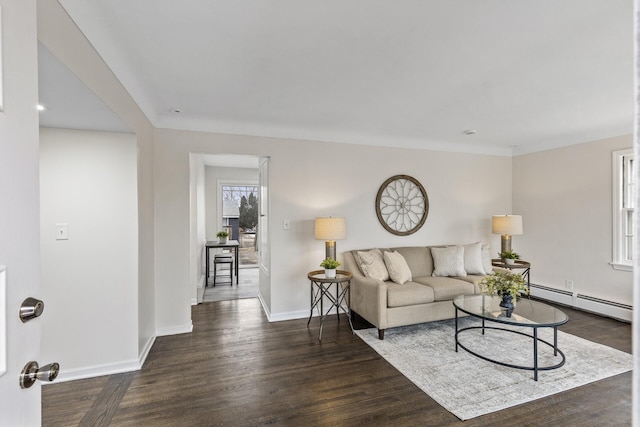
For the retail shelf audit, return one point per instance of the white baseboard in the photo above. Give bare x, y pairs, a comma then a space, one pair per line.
142, 357
281, 316
95, 371
174, 330
264, 306
106, 369
291, 315
584, 302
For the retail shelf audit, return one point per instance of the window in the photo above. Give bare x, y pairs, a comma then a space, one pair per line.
240, 218
623, 205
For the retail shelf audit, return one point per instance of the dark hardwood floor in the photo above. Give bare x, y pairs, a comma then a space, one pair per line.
237, 369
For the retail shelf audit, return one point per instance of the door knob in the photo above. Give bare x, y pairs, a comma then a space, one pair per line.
30, 309
33, 372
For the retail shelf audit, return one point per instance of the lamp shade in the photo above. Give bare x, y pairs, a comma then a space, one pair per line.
506, 224
329, 228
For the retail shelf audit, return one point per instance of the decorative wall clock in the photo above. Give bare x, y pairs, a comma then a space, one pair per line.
402, 205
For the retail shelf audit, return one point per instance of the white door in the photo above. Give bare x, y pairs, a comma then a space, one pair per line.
263, 218
19, 207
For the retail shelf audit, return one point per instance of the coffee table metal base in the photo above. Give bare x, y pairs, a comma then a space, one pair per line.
535, 368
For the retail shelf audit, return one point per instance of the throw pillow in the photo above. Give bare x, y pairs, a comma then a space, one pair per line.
448, 261
397, 266
473, 259
372, 264
486, 258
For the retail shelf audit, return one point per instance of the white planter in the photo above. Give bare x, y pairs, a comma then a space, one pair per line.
223, 240
509, 261
330, 273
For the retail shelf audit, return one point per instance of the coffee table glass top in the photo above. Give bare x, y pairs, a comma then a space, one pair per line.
527, 312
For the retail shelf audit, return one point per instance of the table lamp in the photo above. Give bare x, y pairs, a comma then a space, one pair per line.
330, 229
506, 225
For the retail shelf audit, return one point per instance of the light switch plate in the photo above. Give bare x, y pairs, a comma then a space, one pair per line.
285, 224
62, 231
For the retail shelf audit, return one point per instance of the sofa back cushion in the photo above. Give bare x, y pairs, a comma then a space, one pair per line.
418, 259
372, 264
473, 259
448, 261
397, 267
486, 258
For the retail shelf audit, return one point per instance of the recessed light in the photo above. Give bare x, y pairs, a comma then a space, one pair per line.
41, 107
469, 132
175, 110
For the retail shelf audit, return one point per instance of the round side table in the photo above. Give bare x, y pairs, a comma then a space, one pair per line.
321, 288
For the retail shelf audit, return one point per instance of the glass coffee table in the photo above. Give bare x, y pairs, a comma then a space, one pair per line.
528, 314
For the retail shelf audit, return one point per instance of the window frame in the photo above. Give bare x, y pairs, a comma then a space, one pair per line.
623, 204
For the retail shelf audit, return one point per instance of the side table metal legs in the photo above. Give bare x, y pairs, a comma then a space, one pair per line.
320, 291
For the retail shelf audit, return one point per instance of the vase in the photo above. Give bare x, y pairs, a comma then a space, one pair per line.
507, 302
330, 273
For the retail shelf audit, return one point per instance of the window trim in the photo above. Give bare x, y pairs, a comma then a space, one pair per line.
618, 229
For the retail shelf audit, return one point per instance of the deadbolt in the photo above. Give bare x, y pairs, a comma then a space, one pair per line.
32, 372
30, 309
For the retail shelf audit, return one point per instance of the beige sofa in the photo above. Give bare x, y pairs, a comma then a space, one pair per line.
425, 297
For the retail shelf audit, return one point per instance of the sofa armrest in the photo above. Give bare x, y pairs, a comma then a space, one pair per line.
369, 300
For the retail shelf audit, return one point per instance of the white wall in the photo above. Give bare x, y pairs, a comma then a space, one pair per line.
89, 282
214, 174
59, 34
565, 199
309, 179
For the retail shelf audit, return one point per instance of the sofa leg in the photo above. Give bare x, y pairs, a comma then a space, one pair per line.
381, 334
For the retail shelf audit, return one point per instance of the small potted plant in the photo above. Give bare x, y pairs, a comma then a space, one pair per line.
330, 265
509, 257
222, 236
506, 284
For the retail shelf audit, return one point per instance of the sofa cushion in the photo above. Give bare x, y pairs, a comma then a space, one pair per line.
473, 258
475, 279
397, 267
372, 264
418, 259
409, 293
448, 261
446, 288
485, 251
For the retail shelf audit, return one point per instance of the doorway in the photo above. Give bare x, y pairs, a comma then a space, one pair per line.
225, 197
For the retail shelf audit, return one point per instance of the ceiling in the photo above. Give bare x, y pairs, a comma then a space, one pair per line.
525, 75
68, 103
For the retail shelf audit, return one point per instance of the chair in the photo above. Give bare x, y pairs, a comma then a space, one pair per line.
223, 258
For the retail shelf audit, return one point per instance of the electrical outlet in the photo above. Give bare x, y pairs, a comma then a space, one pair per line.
568, 285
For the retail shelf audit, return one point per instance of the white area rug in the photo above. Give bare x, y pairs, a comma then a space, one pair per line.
468, 386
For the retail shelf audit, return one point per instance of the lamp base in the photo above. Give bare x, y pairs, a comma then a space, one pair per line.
330, 249
505, 243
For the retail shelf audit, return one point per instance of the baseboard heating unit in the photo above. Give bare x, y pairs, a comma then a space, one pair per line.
588, 303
